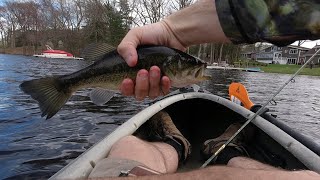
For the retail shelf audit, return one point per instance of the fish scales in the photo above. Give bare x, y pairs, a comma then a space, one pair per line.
108, 72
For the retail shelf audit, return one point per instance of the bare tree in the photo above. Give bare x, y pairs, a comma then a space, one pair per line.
12, 24
149, 11
301, 42
212, 54
180, 4
78, 12
220, 53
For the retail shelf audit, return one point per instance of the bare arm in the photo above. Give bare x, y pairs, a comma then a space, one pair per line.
280, 22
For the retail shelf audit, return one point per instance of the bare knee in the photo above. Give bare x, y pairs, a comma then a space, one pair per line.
124, 144
158, 156
126, 140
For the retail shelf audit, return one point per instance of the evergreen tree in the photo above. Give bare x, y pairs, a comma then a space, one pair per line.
116, 26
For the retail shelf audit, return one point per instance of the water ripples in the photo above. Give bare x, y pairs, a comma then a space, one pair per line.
35, 148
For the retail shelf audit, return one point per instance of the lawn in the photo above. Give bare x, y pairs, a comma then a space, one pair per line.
290, 69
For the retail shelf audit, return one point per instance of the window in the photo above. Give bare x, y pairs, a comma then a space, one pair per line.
274, 48
279, 48
292, 60
293, 51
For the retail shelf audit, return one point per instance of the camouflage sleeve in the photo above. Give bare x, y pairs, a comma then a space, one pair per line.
280, 22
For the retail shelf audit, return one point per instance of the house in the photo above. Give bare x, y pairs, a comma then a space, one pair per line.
248, 51
307, 55
281, 55
248, 55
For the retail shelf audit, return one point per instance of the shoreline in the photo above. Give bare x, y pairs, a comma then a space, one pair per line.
291, 69
270, 68
276, 68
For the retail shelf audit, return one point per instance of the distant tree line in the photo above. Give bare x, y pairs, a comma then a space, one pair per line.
64, 24
73, 24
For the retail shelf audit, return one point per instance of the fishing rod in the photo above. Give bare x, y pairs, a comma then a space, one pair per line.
259, 112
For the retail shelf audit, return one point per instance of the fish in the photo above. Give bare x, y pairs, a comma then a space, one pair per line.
107, 72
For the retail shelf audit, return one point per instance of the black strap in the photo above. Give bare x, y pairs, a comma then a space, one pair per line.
176, 145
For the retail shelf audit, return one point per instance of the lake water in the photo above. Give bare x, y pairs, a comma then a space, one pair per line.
34, 148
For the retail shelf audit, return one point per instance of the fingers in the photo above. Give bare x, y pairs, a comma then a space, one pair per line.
166, 84
127, 87
147, 84
154, 80
142, 85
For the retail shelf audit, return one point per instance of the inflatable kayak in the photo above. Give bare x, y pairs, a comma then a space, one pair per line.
200, 115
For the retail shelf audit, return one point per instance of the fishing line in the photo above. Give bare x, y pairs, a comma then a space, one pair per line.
259, 112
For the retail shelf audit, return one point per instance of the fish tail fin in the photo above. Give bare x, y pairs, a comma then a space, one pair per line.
49, 93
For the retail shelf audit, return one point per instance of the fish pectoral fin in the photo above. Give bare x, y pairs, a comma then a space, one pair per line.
100, 96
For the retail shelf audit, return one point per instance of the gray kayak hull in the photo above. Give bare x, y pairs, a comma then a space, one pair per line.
83, 165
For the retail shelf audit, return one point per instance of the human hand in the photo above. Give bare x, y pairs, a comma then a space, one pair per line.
147, 84
196, 24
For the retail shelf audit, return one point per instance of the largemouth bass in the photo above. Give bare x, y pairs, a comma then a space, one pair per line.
107, 73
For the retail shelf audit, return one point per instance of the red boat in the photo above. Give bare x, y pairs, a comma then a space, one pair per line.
57, 54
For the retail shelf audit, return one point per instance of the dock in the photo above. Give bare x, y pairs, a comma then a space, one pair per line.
225, 68
235, 68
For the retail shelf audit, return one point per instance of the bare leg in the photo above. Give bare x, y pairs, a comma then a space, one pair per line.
163, 158
230, 173
246, 163
158, 156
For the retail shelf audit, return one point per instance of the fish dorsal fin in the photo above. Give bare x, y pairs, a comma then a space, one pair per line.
100, 96
95, 51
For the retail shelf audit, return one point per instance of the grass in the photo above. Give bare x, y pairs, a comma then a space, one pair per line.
290, 69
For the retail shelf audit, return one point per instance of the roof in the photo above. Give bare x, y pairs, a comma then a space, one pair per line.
312, 51
298, 47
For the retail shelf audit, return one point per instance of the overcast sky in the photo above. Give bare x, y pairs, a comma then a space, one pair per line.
309, 44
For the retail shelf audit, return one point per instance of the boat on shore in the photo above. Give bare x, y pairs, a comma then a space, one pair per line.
56, 54
200, 115
253, 69
224, 68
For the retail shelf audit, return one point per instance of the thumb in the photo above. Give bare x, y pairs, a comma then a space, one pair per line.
128, 47
129, 53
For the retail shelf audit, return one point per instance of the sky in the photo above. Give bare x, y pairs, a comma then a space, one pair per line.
309, 44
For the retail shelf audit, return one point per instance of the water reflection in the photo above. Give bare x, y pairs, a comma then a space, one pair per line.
297, 105
35, 148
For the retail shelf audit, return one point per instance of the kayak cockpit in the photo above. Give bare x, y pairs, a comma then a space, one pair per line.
201, 116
